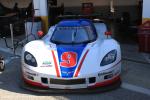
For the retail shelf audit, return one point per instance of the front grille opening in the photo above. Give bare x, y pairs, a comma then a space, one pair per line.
44, 80
67, 82
108, 76
30, 77
92, 80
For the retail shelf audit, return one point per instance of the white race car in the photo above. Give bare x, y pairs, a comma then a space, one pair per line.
74, 54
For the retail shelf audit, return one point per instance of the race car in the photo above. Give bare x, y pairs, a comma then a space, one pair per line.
74, 54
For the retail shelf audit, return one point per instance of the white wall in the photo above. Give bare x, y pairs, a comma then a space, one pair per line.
125, 2
10, 3
41, 7
146, 8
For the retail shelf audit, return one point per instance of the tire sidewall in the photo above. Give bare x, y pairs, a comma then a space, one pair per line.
2, 65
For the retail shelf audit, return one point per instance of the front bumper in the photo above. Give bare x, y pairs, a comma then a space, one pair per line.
114, 85
99, 79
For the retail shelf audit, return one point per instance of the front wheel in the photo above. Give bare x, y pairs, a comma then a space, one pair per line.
2, 64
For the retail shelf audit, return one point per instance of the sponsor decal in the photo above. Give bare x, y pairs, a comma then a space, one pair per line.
46, 64
105, 73
67, 72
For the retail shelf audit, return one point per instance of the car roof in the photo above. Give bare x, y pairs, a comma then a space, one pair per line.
74, 23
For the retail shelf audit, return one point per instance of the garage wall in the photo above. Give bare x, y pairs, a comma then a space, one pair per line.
71, 3
10, 3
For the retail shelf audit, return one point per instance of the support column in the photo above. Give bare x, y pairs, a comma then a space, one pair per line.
41, 10
146, 14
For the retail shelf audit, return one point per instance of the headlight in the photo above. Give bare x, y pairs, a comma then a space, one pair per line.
109, 58
29, 59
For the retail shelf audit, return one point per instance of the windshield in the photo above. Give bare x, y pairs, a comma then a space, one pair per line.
70, 35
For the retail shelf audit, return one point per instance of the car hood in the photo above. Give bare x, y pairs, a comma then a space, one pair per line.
66, 61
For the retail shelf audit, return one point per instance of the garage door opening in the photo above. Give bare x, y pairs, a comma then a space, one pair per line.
124, 21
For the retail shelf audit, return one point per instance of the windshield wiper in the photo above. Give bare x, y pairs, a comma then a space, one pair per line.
60, 42
83, 42
73, 36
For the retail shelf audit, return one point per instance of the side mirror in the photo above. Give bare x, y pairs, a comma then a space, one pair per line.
40, 34
108, 33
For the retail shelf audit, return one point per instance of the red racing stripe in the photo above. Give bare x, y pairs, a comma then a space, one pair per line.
56, 66
80, 65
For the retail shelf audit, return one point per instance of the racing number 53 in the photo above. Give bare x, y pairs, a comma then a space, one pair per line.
69, 59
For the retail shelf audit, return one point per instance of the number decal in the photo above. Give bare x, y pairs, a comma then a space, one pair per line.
69, 59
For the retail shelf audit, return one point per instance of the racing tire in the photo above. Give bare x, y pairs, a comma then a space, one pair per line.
2, 64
